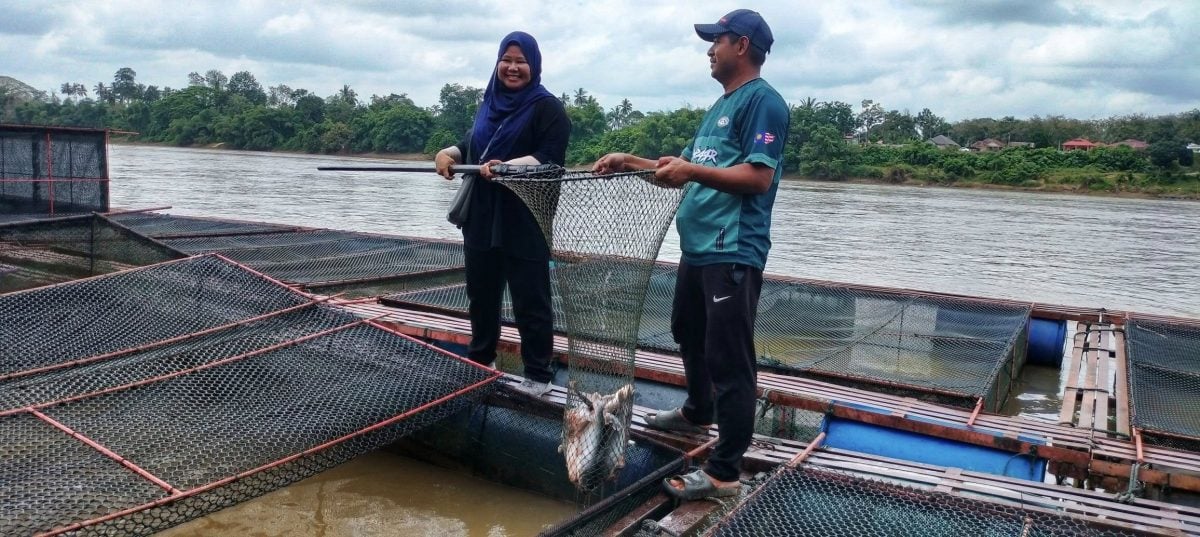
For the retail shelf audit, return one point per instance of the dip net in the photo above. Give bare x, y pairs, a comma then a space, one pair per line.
604, 233
135, 401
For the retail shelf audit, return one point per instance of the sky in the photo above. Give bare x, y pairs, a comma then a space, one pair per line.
961, 59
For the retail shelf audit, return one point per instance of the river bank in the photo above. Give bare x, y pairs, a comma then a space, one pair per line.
1100, 187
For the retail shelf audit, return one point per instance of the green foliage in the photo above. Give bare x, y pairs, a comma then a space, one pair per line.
827, 155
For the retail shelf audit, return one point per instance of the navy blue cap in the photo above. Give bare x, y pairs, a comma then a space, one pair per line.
741, 22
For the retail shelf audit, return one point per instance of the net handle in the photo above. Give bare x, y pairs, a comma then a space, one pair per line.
498, 169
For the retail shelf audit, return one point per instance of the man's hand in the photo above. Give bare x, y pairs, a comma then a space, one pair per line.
610, 163
444, 164
673, 171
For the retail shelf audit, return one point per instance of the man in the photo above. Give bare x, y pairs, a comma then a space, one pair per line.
724, 224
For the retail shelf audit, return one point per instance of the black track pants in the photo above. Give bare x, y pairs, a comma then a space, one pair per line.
529, 285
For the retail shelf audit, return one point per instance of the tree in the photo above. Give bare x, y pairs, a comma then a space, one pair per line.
869, 117
124, 86
215, 80
839, 114
103, 93
194, 79
621, 116
930, 124
243, 84
280, 95
897, 127
456, 108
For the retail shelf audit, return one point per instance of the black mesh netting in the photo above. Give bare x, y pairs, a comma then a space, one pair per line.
1164, 381
817, 502
49, 171
211, 420
167, 226
512, 439
956, 350
604, 233
54, 250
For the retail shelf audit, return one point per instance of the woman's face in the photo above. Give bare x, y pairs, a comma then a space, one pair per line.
512, 69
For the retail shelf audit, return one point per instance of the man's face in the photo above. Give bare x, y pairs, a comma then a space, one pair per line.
723, 56
512, 70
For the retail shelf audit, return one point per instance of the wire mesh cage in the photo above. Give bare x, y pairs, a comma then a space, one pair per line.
169, 226
52, 171
1164, 381
127, 413
823, 502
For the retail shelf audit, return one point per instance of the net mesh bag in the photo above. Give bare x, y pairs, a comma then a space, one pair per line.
136, 401
1164, 381
52, 172
604, 233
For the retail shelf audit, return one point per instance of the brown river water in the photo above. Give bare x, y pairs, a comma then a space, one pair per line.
1131, 254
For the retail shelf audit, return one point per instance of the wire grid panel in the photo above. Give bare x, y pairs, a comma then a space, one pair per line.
78, 320
59, 384
812, 502
1164, 379
45, 171
78, 246
159, 225
604, 233
201, 428
330, 257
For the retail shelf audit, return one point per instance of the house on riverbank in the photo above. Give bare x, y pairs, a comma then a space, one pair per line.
1079, 144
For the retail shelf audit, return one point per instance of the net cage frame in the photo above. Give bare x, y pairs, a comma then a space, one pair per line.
104, 430
49, 171
510, 438
1007, 345
1163, 379
853, 501
609, 229
310, 258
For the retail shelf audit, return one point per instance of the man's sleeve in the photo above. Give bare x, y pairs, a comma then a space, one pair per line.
765, 129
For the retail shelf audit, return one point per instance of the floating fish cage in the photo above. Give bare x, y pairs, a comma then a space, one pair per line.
512, 439
814, 501
954, 351
52, 171
1164, 380
123, 413
311, 258
53, 250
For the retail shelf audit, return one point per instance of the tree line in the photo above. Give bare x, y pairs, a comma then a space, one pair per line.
828, 139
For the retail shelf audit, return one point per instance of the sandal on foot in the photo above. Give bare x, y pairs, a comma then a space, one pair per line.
673, 421
697, 485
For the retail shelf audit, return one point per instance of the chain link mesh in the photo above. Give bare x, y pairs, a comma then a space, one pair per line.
52, 172
1164, 381
820, 502
167, 226
216, 418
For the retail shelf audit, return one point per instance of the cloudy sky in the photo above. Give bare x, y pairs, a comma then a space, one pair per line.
961, 59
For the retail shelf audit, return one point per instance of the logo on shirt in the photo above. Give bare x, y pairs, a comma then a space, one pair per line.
764, 137
723, 122
701, 155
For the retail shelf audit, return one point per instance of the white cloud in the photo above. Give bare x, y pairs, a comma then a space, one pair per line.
978, 59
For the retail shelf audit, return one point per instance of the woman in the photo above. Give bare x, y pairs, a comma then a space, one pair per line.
519, 122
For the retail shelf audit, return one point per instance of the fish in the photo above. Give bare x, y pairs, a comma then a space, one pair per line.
595, 435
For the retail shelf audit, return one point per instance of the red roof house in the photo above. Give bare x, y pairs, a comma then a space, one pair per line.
1078, 144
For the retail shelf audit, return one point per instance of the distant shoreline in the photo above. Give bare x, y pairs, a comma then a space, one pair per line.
421, 157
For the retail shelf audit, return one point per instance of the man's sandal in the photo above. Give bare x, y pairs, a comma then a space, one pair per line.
697, 485
673, 421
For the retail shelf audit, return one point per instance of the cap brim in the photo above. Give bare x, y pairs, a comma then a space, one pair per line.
709, 32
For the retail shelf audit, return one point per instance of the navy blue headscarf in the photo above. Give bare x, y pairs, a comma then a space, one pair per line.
501, 103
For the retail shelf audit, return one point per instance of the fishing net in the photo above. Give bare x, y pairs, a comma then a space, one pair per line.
822, 502
137, 401
604, 232
1164, 381
168, 226
48, 171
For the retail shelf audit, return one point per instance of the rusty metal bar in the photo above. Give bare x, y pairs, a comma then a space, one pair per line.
800, 457
106, 452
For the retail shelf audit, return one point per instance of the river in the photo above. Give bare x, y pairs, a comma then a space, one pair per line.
1120, 253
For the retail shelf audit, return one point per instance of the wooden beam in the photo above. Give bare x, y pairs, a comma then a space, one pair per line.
1122, 384
1067, 416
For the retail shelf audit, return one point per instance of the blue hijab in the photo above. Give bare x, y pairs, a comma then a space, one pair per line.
512, 108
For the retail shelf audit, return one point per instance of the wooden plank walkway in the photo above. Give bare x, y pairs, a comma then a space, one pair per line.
1072, 451
1096, 387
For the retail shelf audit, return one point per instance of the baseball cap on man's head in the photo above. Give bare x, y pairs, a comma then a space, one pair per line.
741, 22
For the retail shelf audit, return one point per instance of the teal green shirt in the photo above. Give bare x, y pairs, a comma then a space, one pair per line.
748, 125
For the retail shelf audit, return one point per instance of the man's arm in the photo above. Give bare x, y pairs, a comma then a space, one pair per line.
744, 178
622, 162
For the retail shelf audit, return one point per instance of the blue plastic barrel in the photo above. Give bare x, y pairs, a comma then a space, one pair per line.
1046, 339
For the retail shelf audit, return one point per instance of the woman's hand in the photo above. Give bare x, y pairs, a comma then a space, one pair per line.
610, 163
485, 171
444, 164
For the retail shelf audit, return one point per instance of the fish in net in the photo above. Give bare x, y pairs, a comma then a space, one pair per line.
604, 233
